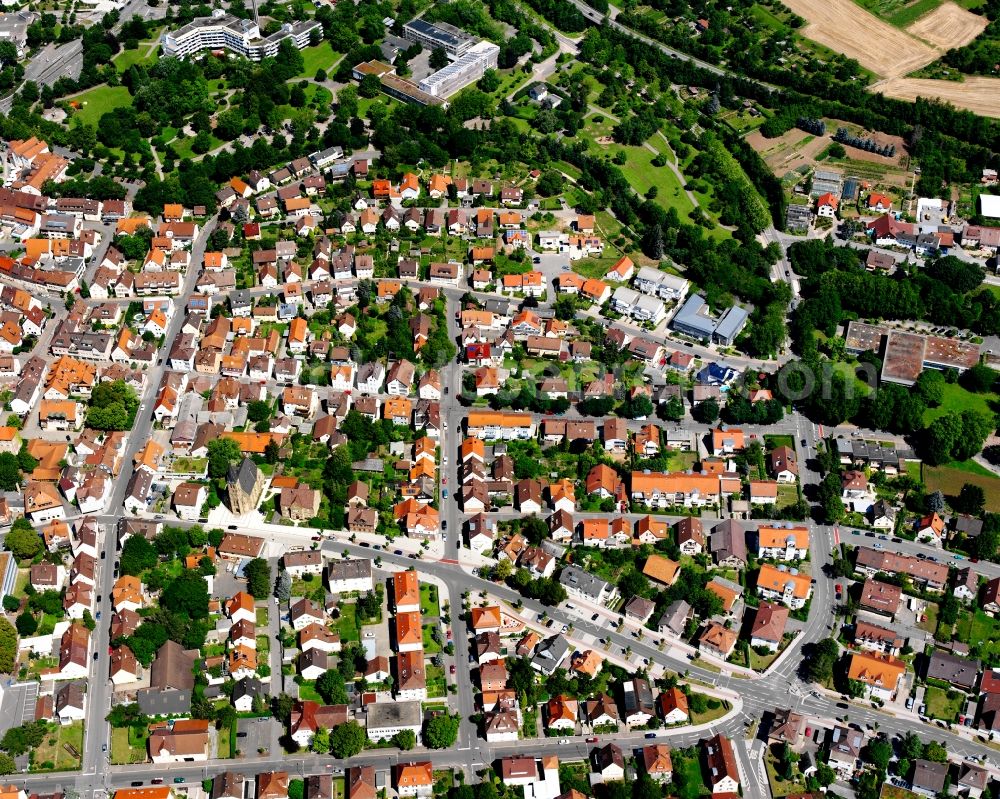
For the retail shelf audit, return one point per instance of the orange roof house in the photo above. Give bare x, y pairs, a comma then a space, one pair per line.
253, 443
485, 619
649, 527
780, 537
397, 408
405, 590
880, 673
827, 199
594, 289
241, 603
409, 629
588, 662
438, 184
473, 448
126, 591
771, 578
730, 439
242, 657
412, 777
661, 569
622, 269
723, 592
932, 523
49, 454
596, 531
562, 708
153, 792
173, 212
879, 201
409, 181
298, 330
602, 478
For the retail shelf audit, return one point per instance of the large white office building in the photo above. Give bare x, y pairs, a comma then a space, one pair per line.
223, 31
466, 69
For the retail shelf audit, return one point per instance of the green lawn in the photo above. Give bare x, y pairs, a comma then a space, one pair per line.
225, 743
52, 755
688, 780
190, 465
429, 603
787, 495
775, 441
308, 693
848, 370
766, 18
126, 747
183, 146
641, 174
347, 624
436, 685
713, 713
950, 478
780, 787
127, 58
681, 461
431, 646
321, 56
939, 706
594, 267
98, 101
931, 611
957, 399
981, 633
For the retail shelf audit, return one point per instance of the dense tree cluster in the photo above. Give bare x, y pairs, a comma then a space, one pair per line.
112, 406
982, 54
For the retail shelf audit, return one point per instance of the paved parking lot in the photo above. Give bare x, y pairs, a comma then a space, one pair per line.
17, 705
253, 734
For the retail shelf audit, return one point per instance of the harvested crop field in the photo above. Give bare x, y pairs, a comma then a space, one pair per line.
975, 94
847, 28
948, 26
